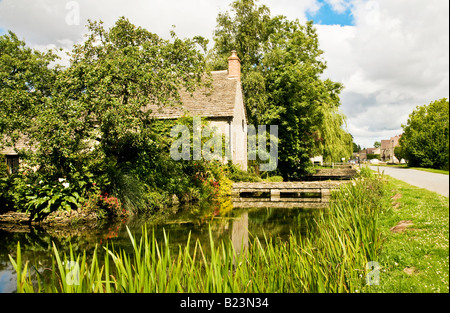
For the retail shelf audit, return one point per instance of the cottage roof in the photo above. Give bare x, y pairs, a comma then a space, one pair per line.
215, 101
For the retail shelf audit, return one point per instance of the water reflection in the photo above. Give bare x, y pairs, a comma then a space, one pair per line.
239, 233
238, 225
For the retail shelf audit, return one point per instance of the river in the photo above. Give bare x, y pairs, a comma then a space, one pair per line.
238, 225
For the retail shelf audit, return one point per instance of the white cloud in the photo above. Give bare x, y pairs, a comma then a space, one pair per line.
340, 6
337, 43
292, 9
46, 21
395, 58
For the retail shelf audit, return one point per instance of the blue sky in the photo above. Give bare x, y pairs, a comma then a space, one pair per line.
326, 15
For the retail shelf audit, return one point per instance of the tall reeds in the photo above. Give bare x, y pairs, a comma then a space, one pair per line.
330, 258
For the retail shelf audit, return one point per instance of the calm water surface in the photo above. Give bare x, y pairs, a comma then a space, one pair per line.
239, 226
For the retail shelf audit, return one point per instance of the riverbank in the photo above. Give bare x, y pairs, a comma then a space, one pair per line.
58, 221
415, 251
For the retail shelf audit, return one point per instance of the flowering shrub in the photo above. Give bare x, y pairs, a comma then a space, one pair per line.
206, 179
110, 204
104, 204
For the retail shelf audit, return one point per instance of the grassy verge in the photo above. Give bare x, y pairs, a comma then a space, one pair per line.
431, 170
415, 254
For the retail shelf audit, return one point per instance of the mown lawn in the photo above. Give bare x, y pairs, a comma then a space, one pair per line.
415, 259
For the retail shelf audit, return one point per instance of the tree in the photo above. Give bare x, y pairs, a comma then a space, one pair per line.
100, 100
25, 86
246, 31
356, 148
115, 74
377, 144
90, 119
399, 153
281, 68
425, 139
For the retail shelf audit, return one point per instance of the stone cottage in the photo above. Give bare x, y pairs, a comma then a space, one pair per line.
223, 106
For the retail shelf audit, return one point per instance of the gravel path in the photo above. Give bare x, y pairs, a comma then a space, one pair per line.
432, 181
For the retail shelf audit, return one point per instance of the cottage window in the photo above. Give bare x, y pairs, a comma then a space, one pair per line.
12, 163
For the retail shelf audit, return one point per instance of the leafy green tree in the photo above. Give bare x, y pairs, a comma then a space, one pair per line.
399, 153
88, 123
281, 77
25, 86
377, 144
115, 74
425, 138
245, 31
356, 147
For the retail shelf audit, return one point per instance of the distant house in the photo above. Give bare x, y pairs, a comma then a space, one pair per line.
363, 155
387, 149
373, 150
222, 105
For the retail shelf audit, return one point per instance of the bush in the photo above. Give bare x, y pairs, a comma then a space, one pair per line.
237, 175
50, 197
365, 172
274, 179
104, 205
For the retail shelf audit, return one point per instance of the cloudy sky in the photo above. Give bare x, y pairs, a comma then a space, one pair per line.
391, 55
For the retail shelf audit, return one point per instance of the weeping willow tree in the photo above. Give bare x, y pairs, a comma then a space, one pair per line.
334, 142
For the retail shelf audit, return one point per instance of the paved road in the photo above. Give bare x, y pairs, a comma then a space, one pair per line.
432, 181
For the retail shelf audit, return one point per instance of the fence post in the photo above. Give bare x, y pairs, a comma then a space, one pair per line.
274, 194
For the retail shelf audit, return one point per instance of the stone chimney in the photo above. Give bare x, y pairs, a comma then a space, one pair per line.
234, 66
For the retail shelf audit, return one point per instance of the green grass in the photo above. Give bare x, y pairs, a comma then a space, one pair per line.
431, 170
423, 249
